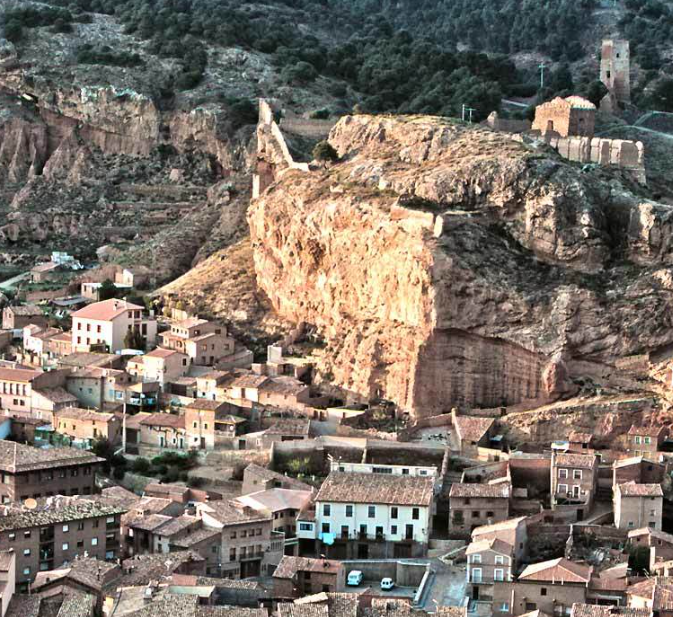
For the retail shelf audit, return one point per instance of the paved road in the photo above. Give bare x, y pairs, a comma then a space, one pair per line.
448, 586
9, 283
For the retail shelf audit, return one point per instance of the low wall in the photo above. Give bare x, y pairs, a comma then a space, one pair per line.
404, 573
317, 129
497, 123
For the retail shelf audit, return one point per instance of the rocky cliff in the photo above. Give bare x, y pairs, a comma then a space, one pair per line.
447, 265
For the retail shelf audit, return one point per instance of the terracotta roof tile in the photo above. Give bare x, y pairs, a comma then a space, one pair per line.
557, 570
16, 457
501, 490
289, 566
164, 419
632, 489
376, 488
472, 429
582, 461
106, 310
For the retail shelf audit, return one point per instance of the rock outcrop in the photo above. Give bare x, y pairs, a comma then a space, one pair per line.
445, 265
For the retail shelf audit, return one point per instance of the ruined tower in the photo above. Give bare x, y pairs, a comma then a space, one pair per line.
615, 65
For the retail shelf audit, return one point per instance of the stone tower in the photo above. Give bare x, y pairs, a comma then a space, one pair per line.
615, 66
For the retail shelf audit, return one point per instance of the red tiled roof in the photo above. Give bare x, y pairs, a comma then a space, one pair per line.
164, 419
491, 491
586, 461
106, 310
647, 431
558, 571
632, 489
472, 429
16, 374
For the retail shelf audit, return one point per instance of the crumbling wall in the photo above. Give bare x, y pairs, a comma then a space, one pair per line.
507, 125
629, 155
315, 129
273, 154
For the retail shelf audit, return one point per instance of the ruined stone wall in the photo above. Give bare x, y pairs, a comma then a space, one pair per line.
495, 122
316, 129
623, 153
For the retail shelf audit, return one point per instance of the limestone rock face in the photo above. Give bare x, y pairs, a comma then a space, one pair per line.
447, 266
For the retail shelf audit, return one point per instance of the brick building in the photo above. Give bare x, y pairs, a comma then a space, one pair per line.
31, 472
257, 478
202, 341
551, 587
574, 479
297, 577
637, 469
58, 529
488, 562
86, 426
513, 532
17, 317
474, 505
573, 115
646, 441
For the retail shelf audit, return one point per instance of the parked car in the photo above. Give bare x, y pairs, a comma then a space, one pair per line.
354, 578
387, 583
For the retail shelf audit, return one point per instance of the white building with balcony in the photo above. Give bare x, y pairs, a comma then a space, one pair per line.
371, 515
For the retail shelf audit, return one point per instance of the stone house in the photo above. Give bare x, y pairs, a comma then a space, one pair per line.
474, 505
637, 469
573, 115
17, 317
488, 562
249, 546
35, 339
578, 441
210, 422
638, 505
574, 479
159, 365
284, 392
646, 441
59, 345
105, 324
133, 277
298, 577
46, 536
28, 472
86, 426
659, 542
281, 429
163, 430
513, 532
550, 586
283, 505
653, 594
472, 433
43, 272
203, 342
20, 388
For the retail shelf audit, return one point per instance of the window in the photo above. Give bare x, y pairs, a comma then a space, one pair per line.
12, 537
498, 574
371, 511
504, 607
415, 513
305, 527
349, 511
26, 552
630, 525
65, 546
244, 533
80, 543
499, 560
562, 488
476, 575
26, 534
233, 535
393, 530
326, 510
94, 541
66, 528
543, 591
405, 471
637, 440
562, 473
476, 558
531, 606
325, 527
195, 424
232, 554
475, 513
647, 440
26, 571
577, 474
489, 514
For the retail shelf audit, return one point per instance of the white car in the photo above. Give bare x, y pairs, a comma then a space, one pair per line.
354, 578
387, 584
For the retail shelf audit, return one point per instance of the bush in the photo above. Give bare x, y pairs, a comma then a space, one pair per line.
13, 31
320, 114
141, 466
172, 475
118, 473
324, 151
195, 482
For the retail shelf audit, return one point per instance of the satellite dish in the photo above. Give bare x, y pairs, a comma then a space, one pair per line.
30, 503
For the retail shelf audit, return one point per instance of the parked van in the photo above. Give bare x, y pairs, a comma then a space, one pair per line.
354, 578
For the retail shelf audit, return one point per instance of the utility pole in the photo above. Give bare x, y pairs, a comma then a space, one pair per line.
542, 67
470, 110
463, 114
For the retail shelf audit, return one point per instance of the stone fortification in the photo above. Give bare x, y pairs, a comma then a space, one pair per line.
570, 116
615, 74
500, 306
273, 154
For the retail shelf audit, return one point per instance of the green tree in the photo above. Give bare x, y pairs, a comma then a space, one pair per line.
595, 91
661, 97
107, 290
134, 340
13, 30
